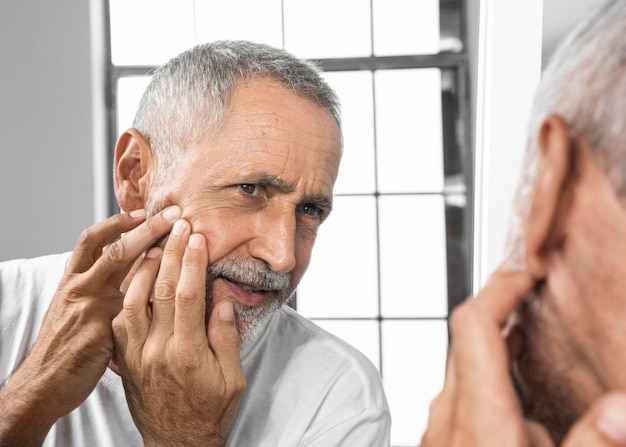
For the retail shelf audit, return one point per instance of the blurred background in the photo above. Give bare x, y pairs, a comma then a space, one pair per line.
435, 100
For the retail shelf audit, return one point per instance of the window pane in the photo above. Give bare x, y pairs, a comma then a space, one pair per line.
363, 335
256, 20
342, 278
409, 130
149, 32
412, 256
129, 91
406, 27
414, 359
328, 28
355, 89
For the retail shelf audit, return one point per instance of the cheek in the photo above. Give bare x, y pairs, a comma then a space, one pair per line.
223, 233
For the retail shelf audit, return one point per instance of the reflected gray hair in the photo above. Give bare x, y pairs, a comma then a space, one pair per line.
584, 83
188, 96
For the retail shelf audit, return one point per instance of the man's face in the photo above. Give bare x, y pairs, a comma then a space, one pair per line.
574, 324
258, 189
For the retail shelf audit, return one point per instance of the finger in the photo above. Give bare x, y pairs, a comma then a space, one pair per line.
478, 399
136, 320
224, 342
117, 260
503, 291
480, 355
92, 240
163, 306
476, 330
604, 424
189, 316
537, 435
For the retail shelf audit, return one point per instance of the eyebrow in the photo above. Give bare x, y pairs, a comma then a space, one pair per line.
320, 200
272, 180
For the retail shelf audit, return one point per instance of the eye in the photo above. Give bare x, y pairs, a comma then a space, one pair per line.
311, 209
249, 189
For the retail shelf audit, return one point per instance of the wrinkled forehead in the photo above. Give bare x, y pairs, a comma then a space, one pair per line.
270, 131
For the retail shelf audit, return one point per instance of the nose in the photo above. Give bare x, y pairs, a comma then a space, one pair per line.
275, 240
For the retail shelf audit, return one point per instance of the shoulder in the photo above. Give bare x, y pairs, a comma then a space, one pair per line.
26, 275
336, 389
310, 336
301, 345
26, 288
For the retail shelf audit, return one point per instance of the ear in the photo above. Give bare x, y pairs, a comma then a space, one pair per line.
555, 168
133, 170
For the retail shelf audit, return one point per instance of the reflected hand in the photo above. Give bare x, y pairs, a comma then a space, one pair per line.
478, 406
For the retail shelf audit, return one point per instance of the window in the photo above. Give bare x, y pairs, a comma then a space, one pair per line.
393, 258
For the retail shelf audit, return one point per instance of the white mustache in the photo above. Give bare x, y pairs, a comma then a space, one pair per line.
250, 273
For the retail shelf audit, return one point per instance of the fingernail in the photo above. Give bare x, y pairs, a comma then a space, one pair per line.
171, 213
195, 241
179, 228
153, 252
226, 312
612, 419
136, 214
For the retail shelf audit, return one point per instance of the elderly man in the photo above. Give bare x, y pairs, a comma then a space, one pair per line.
233, 156
565, 272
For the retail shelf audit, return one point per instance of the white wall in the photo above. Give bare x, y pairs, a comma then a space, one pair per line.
509, 67
46, 173
520, 37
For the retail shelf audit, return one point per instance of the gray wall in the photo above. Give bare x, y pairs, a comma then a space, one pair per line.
46, 169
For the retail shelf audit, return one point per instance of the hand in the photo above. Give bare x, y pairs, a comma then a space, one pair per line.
183, 382
603, 425
478, 405
75, 342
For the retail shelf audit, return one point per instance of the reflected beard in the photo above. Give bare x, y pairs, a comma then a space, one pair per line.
250, 319
544, 392
548, 404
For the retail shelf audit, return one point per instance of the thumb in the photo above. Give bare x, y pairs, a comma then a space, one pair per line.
604, 424
224, 340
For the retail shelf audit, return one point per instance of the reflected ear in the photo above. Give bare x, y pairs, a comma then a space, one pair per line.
133, 170
555, 168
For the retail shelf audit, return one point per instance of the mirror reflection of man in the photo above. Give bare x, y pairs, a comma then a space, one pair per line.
560, 296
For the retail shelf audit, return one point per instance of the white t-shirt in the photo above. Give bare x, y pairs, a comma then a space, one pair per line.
305, 387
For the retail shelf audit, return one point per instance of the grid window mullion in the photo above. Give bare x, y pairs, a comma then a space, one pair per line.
370, 195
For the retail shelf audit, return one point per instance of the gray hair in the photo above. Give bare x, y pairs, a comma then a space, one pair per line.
188, 96
585, 84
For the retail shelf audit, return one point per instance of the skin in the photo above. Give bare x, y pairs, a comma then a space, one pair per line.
262, 185
565, 349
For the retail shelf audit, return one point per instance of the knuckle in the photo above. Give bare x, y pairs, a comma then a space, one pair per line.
164, 289
187, 359
118, 323
228, 340
131, 310
153, 355
87, 237
461, 316
151, 225
187, 299
75, 292
116, 252
433, 404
